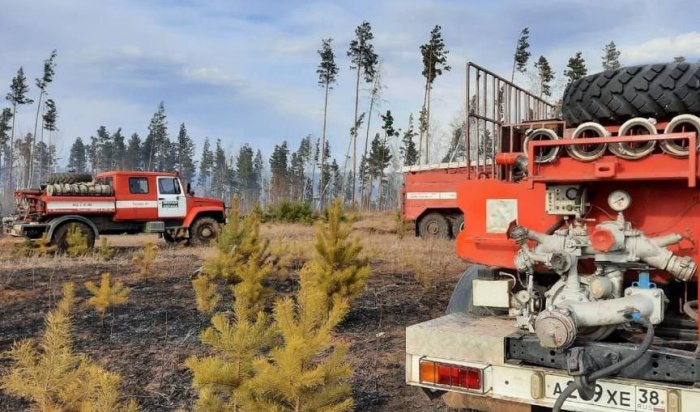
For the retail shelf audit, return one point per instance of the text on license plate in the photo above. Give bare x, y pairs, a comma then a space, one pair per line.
612, 395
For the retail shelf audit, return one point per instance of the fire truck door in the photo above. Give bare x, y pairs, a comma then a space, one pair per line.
171, 200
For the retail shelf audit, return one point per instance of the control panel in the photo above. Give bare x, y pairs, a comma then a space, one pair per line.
565, 200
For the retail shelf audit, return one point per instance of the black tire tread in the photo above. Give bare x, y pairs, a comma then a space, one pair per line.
69, 178
661, 91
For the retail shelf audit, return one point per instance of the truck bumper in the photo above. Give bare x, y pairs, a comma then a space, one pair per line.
30, 230
463, 340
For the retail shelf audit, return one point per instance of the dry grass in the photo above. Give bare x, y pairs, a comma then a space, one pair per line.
426, 261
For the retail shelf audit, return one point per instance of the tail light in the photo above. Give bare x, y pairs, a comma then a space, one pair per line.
439, 373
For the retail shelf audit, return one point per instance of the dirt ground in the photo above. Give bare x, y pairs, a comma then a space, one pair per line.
148, 339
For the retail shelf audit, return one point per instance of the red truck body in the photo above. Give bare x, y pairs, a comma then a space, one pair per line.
118, 202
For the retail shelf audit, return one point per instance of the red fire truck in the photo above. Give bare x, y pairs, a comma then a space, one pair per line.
582, 234
113, 203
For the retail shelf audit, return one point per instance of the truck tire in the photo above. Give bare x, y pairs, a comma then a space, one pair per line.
69, 178
457, 225
203, 231
60, 236
434, 226
661, 91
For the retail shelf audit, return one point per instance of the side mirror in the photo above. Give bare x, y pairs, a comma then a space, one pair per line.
189, 189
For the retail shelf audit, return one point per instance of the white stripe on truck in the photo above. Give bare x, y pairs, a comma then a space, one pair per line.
82, 205
431, 195
137, 204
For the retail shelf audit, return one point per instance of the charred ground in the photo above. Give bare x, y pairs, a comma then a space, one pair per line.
148, 339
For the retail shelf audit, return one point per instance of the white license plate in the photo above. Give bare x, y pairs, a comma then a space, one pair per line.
612, 395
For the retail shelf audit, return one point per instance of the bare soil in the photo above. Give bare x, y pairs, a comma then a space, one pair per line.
148, 339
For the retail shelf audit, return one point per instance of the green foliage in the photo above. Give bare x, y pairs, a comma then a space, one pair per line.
409, 153
361, 52
327, 70
236, 339
239, 241
29, 247
546, 75
55, 378
292, 212
185, 153
338, 269
206, 294
611, 57
576, 68
76, 241
522, 52
434, 56
105, 251
106, 294
145, 260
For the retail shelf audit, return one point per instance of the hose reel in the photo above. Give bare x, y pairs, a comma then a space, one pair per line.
679, 124
543, 154
588, 153
635, 150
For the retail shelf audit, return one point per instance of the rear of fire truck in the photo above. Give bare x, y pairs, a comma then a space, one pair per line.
583, 236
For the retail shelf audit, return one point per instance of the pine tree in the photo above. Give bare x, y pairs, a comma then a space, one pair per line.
247, 179
611, 57
327, 75
133, 157
5, 117
206, 294
408, 148
77, 160
576, 68
157, 135
434, 63
76, 242
101, 150
17, 97
375, 96
221, 378
205, 167
106, 294
280, 173
145, 260
41, 84
49, 120
221, 179
307, 371
118, 151
185, 153
53, 377
258, 169
546, 75
364, 60
522, 53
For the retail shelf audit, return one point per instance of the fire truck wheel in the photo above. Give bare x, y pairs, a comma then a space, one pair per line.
434, 225
457, 225
203, 231
661, 91
60, 236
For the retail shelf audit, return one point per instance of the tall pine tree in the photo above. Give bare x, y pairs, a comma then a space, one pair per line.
327, 74
434, 56
185, 155
363, 60
522, 53
17, 97
546, 75
133, 158
156, 138
77, 161
205, 167
408, 148
279, 168
41, 84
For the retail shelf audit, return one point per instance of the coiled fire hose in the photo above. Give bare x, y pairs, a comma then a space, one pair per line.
581, 382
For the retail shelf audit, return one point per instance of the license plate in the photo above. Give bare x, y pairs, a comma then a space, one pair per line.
612, 395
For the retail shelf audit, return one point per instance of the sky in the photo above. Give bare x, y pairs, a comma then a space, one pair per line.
245, 71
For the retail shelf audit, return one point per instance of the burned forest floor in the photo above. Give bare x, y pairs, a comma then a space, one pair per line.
147, 339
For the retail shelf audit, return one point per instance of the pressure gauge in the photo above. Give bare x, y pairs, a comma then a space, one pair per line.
619, 200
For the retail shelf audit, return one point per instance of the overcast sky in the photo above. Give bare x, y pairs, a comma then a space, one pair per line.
245, 71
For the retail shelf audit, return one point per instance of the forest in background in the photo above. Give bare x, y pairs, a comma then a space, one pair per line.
305, 171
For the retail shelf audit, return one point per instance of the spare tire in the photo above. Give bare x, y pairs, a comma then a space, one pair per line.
69, 178
661, 91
